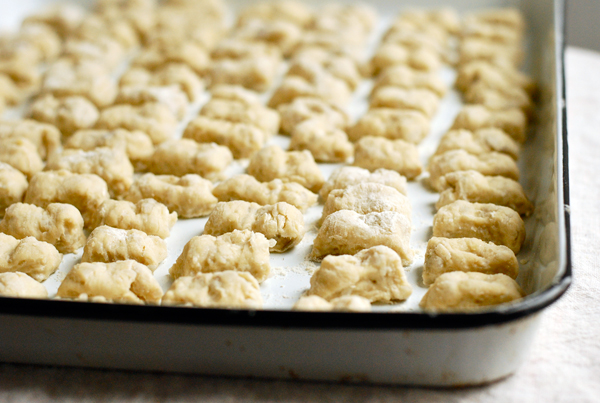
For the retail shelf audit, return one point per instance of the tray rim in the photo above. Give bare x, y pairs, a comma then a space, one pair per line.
341, 320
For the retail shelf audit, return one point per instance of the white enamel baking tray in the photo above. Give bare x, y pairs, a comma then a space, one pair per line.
396, 343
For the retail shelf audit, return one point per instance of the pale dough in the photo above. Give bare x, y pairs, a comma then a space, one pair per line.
21, 154
280, 222
136, 144
467, 292
394, 124
478, 142
398, 155
273, 162
227, 289
243, 251
306, 108
20, 285
469, 255
512, 121
126, 281
107, 244
246, 187
189, 196
170, 96
13, 185
325, 142
375, 274
58, 224
68, 114
402, 76
418, 99
488, 222
28, 255
44, 136
344, 177
347, 232
235, 111
347, 303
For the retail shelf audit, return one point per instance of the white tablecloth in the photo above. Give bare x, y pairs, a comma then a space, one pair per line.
564, 365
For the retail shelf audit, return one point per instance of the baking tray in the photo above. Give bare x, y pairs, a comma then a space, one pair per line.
393, 344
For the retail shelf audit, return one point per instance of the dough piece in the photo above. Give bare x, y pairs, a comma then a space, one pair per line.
189, 196
13, 185
106, 244
146, 215
58, 224
325, 142
42, 38
242, 251
469, 255
375, 274
394, 124
498, 99
184, 156
477, 188
136, 144
469, 292
44, 136
28, 255
111, 164
347, 303
283, 35
392, 54
488, 222
95, 25
88, 79
235, 93
62, 18
20, 285
158, 54
504, 17
227, 289
339, 65
417, 99
170, 96
238, 112
126, 281
365, 198
255, 73
84, 191
292, 166
473, 48
156, 120
493, 164
171, 74
103, 51
68, 114
325, 87
398, 155
493, 76
280, 222
246, 187
481, 141
402, 76
302, 109
347, 232
287, 10
344, 177
21, 154
242, 139
474, 117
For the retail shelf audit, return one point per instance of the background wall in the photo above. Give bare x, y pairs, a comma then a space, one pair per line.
583, 23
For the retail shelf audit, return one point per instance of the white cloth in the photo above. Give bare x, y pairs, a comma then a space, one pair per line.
564, 364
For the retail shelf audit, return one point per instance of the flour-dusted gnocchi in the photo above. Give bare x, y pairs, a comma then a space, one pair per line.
107, 244
512, 121
225, 289
325, 142
418, 99
347, 303
469, 255
488, 222
366, 198
58, 224
347, 232
403, 76
307, 108
136, 144
126, 281
29, 256
68, 114
45, 137
246, 187
401, 156
375, 274
273, 162
344, 177
242, 251
146, 215
170, 96
236, 111
492, 163
394, 124
185, 156
281, 222
467, 292
13, 185
17, 284
21, 154
478, 142
189, 196
477, 188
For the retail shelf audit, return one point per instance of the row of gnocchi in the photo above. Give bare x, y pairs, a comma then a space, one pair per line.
471, 260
